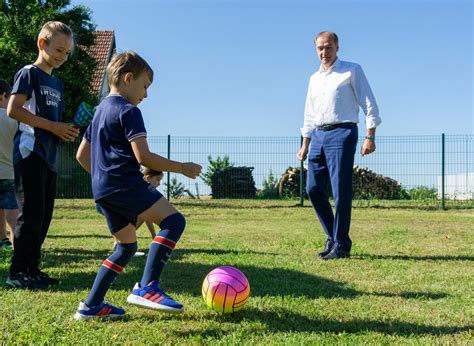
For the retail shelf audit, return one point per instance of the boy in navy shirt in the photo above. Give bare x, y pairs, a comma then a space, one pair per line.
37, 102
113, 147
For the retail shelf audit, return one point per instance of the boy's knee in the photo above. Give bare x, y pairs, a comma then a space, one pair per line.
175, 222
126, 251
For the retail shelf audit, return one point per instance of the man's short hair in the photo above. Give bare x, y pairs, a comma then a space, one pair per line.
126, 62
52, 28
328, 33
5, 88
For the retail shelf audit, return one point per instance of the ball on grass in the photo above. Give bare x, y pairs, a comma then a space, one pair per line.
225, 289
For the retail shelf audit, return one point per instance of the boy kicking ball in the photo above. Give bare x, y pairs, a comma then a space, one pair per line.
113, 147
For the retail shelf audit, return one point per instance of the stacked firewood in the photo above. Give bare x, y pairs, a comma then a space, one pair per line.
233, 182
289, 183
366, 184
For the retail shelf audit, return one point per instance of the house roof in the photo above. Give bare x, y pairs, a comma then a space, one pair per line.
101, 50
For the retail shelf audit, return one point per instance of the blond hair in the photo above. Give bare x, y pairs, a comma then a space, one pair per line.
127, 62
52, 28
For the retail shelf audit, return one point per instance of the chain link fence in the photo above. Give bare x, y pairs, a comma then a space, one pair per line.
405, 171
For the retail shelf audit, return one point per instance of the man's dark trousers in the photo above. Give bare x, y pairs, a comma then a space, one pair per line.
330, 159
36, 188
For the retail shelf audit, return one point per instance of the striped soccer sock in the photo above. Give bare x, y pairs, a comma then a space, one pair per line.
108, 271
161, 247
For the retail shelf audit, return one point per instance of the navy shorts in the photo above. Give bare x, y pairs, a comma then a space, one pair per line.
123, 207
7, 194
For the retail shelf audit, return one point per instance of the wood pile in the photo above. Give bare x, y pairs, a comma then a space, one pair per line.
366, 184
289, 183
233, 182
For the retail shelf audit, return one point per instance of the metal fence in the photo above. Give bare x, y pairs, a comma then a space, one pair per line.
432, 171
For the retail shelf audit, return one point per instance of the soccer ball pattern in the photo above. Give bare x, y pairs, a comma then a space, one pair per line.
225, 289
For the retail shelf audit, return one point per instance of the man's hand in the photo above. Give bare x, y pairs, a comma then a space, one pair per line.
368, 147
64, 131
302, 154
191, 170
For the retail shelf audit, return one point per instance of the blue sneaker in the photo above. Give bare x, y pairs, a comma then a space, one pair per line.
103, 310
152, 297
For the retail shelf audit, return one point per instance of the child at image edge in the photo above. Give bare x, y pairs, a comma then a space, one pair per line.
8, 203
112, 150
37, 102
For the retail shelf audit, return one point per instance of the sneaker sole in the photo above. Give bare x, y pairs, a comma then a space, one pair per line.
12, 284
145, 303
81, 317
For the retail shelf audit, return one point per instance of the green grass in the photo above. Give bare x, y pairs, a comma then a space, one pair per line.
409, 280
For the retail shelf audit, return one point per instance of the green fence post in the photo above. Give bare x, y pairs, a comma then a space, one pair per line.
168, 173
301, 176
442, 171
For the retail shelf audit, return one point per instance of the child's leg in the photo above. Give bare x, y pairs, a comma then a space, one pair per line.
126, 247
11, 216
3, 225
172, 225
31, 181
149, 225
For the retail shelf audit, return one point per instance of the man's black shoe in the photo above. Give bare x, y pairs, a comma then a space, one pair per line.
21, 280
327, 248
337, 253
42, 278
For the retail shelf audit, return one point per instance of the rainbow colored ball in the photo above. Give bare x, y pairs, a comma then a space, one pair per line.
225, 289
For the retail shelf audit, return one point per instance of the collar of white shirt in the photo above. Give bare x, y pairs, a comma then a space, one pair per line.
334, 65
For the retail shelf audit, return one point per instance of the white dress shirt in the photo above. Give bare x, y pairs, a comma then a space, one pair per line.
335, 95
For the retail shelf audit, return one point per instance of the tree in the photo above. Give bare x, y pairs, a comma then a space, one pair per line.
214, 166
20, 23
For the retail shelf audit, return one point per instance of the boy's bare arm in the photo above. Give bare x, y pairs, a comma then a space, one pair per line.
83, 155
146, 158
16, 111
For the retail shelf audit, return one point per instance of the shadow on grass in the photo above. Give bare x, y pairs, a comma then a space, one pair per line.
235, 205
282, 320
79, 236
415, 258
182, 277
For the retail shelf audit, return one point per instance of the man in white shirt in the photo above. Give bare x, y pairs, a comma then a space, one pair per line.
335, 93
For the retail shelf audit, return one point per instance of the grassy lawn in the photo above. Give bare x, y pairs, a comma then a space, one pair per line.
410, 279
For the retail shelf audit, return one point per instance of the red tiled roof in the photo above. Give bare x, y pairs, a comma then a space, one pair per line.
102, 51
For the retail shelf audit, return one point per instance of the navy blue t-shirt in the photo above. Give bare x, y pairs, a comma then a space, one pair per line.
114, 167
45, 98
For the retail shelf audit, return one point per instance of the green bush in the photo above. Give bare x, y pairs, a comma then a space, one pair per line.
269, 187
214, 166
423, 192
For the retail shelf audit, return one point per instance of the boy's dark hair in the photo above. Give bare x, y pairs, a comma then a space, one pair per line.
150, 172
5, 88
126, 62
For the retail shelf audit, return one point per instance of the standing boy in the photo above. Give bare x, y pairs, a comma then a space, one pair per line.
113, 147
8, 204
37, 102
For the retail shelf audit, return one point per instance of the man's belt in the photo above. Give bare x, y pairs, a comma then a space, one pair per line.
330, 127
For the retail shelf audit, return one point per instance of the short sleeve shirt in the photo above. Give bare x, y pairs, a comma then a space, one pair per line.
114, 167
45, 98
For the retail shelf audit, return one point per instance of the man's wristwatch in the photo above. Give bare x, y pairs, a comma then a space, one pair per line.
370, 138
